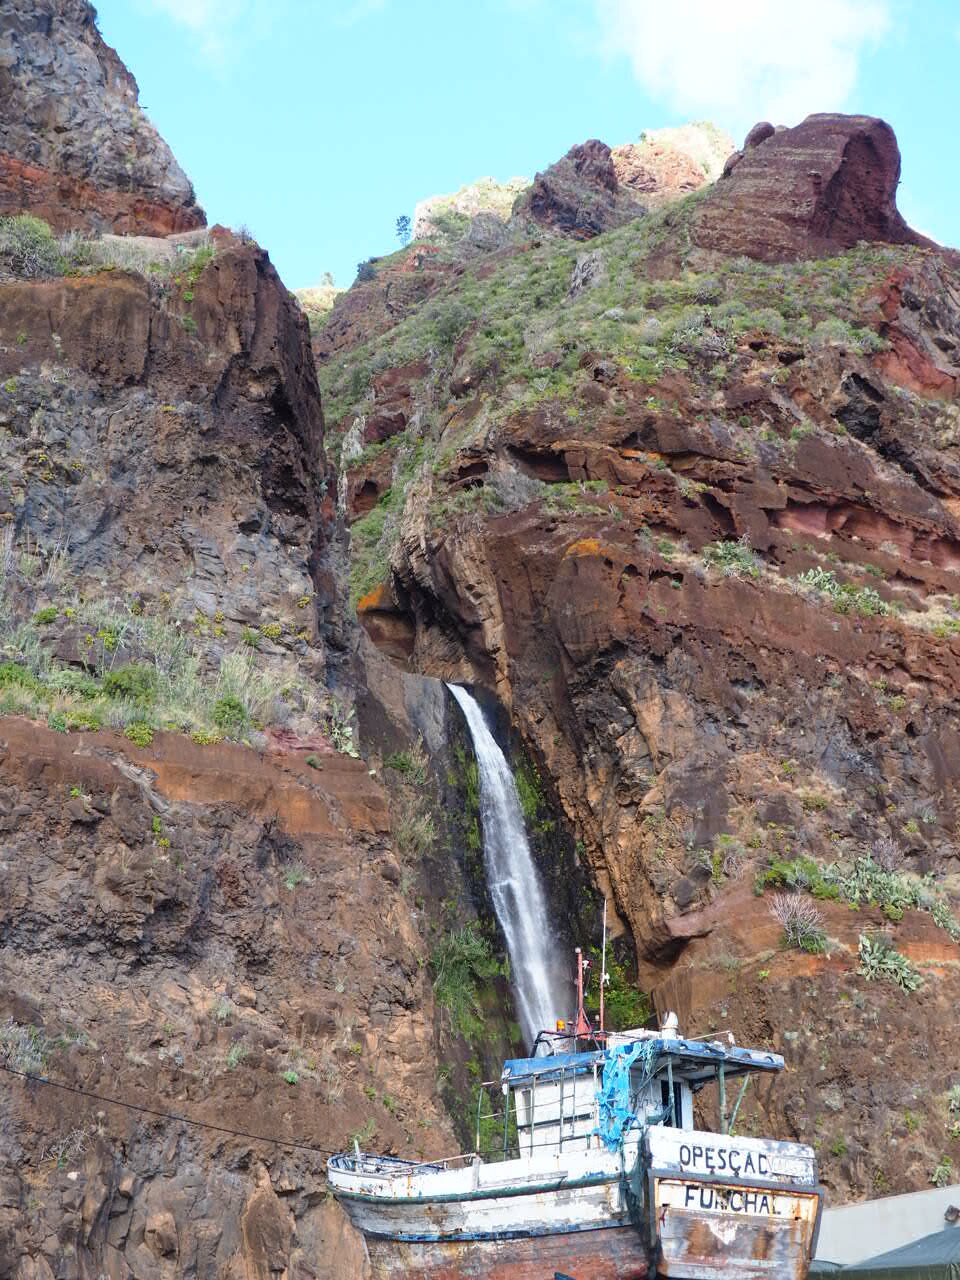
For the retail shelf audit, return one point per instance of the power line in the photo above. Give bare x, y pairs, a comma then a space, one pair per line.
164, 1115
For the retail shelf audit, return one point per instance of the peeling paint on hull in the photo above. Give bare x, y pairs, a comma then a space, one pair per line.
610, 1253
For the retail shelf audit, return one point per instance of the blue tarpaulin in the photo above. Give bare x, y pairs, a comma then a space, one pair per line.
616, 1113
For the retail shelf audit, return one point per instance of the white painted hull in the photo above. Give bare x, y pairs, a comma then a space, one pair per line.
487, 1215
581, 1214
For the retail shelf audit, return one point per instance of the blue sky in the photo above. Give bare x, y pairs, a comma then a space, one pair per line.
316, 122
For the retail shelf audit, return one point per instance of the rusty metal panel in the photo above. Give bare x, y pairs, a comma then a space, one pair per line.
726, 1231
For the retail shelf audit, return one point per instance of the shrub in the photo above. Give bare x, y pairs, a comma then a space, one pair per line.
25, 1048
798, 873
415, 830
236, 1055
28, 245
411, 764
230, 715
296, 875
940, 1177
734, 558
366, 272
11, 673
43, 617
624, 1005
880, 961
139, 733
460, 963
802, 922
135, 680
846, 597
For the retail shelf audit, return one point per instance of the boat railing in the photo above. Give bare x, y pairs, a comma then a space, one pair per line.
372, 1165
562, 1120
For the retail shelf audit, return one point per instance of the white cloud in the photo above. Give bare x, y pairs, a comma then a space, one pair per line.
744, 60
354, 11
216, 26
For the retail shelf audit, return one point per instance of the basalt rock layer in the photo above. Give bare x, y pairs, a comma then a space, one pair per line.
169, 435
75, 148
694, 519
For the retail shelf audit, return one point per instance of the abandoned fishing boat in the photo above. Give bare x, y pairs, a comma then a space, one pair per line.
598, 1173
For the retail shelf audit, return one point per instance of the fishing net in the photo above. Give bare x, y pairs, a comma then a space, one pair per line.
617, 1113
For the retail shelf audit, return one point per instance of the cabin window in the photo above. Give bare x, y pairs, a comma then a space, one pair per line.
676, 1120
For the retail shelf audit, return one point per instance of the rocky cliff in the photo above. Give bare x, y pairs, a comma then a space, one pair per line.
208, 938
686, 501
665, 465
75, 147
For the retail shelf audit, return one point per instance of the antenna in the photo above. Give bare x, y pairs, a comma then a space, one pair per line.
603, 963
582, 1029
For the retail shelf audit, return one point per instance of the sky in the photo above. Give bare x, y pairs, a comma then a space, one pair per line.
315, 123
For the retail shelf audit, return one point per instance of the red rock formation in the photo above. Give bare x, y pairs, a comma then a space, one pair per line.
808, 191
155, 966
656, 172
75, 148
580, 195
700, 722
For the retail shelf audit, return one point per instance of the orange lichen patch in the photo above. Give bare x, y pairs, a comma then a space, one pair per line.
380, 599
584, 547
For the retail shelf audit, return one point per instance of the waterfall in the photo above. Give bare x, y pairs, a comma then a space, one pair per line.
515, 889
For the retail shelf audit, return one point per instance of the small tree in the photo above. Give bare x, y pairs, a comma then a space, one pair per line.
403, 229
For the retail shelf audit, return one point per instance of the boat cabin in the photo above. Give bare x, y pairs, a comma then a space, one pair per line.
556, 1102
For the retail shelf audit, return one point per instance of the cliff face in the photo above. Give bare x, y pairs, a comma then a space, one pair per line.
204, 910
198, 930
167, 434
75, 148
693, 516
685, 498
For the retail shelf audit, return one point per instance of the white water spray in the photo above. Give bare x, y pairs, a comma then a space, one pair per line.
513, 882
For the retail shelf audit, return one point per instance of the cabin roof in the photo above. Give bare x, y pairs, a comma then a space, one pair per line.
696, 1061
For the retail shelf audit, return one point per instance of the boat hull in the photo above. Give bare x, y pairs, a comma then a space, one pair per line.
609, 1253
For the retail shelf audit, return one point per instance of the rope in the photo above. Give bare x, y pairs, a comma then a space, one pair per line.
165, 1115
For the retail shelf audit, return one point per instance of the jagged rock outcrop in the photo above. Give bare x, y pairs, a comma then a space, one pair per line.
808, 191
579, 196
593, 188
669, 163
75, 148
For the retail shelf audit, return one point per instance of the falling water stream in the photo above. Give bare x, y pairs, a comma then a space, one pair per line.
514, 886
